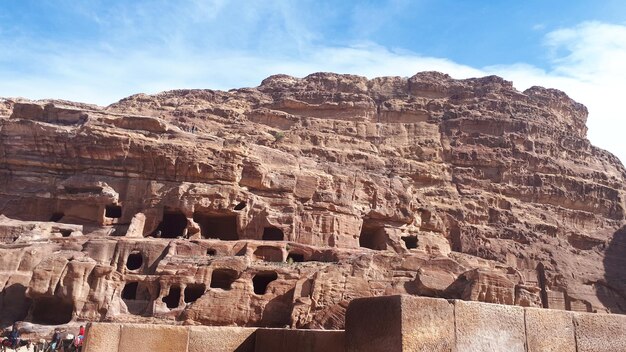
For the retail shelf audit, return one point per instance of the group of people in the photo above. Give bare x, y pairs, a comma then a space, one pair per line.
67, 343
60, 342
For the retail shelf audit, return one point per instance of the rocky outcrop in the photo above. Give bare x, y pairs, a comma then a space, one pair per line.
278, 205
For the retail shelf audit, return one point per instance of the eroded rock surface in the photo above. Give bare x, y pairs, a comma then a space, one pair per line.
277, 205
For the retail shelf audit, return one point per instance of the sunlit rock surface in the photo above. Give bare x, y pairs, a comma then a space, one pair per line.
276, 205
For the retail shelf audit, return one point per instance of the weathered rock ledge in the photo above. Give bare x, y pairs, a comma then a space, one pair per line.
278, 205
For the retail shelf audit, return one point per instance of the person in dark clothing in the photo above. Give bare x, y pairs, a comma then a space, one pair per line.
56, 340
14, 336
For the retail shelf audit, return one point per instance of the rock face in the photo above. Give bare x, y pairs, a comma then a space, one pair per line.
278, 205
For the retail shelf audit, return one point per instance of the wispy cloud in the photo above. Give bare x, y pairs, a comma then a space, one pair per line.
142, 47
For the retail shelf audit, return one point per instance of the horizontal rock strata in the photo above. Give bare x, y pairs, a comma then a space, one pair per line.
277, 205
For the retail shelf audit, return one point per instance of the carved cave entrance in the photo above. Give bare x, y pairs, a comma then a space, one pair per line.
130, 291
137, 297
272, 233
294, 257
134, 261
172, 299
193, 292
219, 226
373, 235
223, 278
269, 254
410, 241
261, 280
57, 216
113, 211
173, 225
52, 311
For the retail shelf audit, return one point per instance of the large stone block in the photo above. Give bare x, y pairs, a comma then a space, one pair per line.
101, 337
400, 323
284, 340
482, 327
600, 332
427, 324
549, 330
221, 339
153, 338
374, 324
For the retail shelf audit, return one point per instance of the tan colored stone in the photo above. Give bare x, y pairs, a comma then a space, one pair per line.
600, 332
427, 324
102, 337
549, 330
153, 338
482, 327
221, 339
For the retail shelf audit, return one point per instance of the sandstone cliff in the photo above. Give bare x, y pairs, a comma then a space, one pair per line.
277, 205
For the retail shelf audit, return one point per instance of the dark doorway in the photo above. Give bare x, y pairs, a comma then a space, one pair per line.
373, 236
273, 234
410, 241
240, 206
130, 291
222, 227
134, 261
295, 257
173, 297
223, 278
211, 251
261, 280
66, 233
193, 292
56, 217
173, 225
113, 211
52, 311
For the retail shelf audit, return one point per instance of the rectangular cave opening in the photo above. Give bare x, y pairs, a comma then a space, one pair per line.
373, 235
223, 278
136, 291
129, 291
269, 254
272, 233
294, 257
193, 292
57, 216
137, 297
410, 241
261, 280
51, 311
172, 300
173, 225
113, 211
218, 226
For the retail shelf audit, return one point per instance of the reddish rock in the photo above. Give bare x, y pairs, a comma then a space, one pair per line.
277, 205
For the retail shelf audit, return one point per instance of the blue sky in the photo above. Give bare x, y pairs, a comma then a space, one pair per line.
102, 50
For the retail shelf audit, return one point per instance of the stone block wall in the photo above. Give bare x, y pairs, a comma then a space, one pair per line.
409, 323
388, 324
104, 337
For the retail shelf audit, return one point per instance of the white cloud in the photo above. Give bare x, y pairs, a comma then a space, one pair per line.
586, 60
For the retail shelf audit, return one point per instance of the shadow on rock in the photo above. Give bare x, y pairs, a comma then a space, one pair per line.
612, 291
